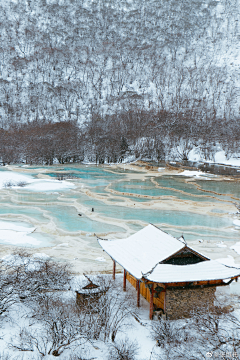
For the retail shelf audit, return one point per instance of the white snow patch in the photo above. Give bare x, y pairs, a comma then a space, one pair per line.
129, 159
236, 222
16, 226
17, 238
235, 288
49, 185
41, 256
219, 157
221, 245
100, 259
9, 179
14, 178
192, 173
17, 233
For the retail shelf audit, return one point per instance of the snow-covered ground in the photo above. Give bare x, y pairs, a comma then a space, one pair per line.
13, 179
17, 233
137, 332
20, 318
219, 158
194, 173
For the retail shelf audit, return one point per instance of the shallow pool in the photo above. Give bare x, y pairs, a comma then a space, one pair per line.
60, 207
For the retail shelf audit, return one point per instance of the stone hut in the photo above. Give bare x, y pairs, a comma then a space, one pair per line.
174, 278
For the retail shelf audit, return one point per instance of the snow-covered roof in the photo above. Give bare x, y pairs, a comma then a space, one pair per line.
202, 271
142, 253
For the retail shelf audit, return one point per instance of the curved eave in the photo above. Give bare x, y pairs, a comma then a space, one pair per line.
204, 271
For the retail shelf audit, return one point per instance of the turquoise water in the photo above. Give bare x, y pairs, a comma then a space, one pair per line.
59, 205
67, 218
116, 199
175, 218
26, 211
218, 211
209, 234
33, 197
148, 188
102, 190
178, 182
222, 187
45, 240
90, 173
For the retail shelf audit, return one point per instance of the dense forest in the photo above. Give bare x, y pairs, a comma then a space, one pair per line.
100, 80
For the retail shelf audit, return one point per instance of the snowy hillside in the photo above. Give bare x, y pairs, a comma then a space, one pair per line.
152, 69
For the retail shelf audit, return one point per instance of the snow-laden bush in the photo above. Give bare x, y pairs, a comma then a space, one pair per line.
123, 350
207, 334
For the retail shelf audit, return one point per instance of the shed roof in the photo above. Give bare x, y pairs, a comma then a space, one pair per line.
142, 253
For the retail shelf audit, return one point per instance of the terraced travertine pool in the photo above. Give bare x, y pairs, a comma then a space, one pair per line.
123, 201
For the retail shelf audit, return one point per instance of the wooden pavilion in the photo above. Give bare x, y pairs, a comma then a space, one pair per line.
174, 278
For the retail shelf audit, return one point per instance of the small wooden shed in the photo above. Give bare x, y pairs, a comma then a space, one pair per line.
89, 293
174, 278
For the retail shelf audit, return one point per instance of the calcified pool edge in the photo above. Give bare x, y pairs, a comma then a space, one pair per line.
81, 247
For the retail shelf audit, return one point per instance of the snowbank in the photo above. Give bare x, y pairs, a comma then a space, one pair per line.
13, 238
16, 226
9, 179
192, 173
236, 222
41, 256
17, 233
100, 259
221, 245
219, 158
49, 185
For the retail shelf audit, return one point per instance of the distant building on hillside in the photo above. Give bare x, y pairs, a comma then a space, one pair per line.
174, 278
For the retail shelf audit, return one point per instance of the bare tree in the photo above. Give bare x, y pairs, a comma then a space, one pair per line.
123, 350
7, 294
215, 333
110, 311
56, 326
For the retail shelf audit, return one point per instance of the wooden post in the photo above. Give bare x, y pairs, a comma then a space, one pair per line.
164, 305
114, 269
151, 303
124, 279
138, 293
